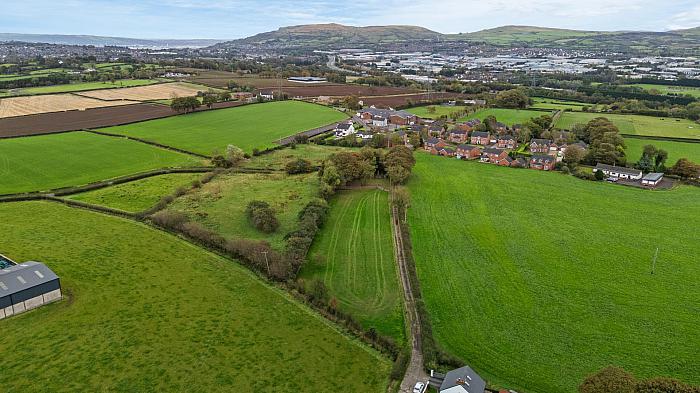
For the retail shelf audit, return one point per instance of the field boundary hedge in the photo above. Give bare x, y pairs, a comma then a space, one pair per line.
156, 144
64, 191
662, 138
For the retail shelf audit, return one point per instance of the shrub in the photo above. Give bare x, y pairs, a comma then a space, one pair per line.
599, 175
262, 217
169, 219
299, 165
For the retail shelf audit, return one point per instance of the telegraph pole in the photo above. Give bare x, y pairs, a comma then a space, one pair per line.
267, 263
653, 264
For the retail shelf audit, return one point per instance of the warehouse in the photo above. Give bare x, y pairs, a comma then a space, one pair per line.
26, 286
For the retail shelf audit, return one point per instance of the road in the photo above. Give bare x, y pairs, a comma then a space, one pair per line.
309, 133
415, 371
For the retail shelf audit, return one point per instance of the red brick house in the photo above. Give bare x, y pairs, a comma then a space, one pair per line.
459, 136
543, 163
480, 138
446, 151
468, 152
540, 145
431, 143
507, 161
506, 142
493, 155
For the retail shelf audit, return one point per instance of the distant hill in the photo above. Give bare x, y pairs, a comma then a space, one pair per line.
678, 42
334, 35
106, 41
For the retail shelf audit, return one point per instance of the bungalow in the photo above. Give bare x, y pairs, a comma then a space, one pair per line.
480, 138
434, 143
459, 136
468, 152
493, 155
506, 142
462, 380
344, 129
540, 145
652, 179
364, 135
543, 163
618, 171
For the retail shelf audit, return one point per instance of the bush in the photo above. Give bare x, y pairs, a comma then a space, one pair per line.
299, 165
599, 175
262, 217
169, 219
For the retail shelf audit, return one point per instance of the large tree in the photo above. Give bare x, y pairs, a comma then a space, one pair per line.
515, 98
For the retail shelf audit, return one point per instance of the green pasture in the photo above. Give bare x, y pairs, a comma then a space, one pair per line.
637, 124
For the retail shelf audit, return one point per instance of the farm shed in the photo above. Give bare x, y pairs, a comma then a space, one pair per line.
462, 380
26, 286
652, 179
618, 171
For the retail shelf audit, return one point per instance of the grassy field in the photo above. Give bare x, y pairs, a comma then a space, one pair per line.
637, 124
353, 255
554, 104
146, 311
84, 86
220, 205
676, 90
440, 110
538, 279
507, 116
46, 162
138, 195
248, 127
675, 150
278, 158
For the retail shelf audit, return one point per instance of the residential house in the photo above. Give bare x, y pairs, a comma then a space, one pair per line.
506, 161
618, 171
468, 125
434, 143
480, 138
458, 136
344, 129
446, 151
519, 162
364, 135
652, 179
462, 380
493, 155
468, 152
542, 162
506, 142
436, 129
540, 145
400, 118
380, 121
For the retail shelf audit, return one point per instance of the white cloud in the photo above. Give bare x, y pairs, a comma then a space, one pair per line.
686, 19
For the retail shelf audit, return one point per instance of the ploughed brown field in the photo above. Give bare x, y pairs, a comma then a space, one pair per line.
159, 91
48, 123
405, 99
22, 106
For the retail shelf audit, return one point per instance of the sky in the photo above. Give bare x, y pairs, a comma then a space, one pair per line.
230, 19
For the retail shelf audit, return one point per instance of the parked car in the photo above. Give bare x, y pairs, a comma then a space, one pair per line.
419, 388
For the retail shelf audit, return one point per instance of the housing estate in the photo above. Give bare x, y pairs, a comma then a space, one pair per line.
26, 286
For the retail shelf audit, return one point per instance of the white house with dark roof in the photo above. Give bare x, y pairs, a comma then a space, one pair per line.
462, 380
652, 179
618, 171
344, 129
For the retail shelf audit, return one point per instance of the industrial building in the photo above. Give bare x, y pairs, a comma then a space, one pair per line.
26, 286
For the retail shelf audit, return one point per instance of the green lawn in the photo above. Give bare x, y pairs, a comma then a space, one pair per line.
539, 279
146, 311
139, 195
676, 90
85, 86
354, 256
507, 116
675, 150
440, 110
41, 163
248, 127
554, 104
220, 205
638, 124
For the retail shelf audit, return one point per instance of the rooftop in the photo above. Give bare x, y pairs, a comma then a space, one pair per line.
25, 275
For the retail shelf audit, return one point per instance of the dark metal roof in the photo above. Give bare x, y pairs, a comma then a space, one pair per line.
653, 176
618, 169
23, 276
465, 377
